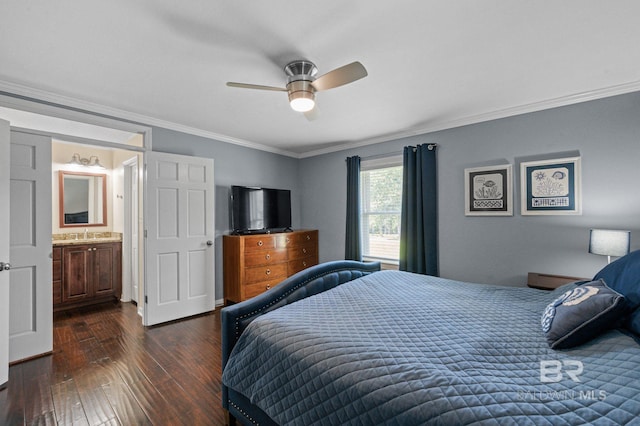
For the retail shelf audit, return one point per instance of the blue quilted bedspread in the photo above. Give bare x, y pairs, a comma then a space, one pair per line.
403, 349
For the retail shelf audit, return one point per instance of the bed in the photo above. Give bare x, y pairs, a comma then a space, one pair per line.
344, 343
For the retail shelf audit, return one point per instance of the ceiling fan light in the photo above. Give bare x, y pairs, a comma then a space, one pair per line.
302, 101
302, 104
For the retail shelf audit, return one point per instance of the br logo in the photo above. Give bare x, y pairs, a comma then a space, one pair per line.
552, 371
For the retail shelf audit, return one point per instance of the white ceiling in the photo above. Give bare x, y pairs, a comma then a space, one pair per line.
432, 64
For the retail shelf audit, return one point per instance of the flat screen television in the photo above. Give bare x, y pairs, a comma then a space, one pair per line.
260, 210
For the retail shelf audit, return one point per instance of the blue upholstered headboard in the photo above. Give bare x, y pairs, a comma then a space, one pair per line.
314, 280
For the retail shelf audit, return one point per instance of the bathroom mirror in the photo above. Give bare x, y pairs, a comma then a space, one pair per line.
83, 199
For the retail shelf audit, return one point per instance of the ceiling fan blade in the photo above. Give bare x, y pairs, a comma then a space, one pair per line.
255, 86
313, 114
340, 76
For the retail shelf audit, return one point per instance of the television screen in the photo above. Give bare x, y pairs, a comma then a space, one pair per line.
255, 210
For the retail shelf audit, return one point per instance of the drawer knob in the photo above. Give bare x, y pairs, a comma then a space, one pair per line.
288, 240
304, 250
260, 243
308, 237
268, 256
304, 264
268, 286
268, 271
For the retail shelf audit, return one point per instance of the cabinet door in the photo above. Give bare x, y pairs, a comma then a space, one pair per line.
57, 275
77, 273
104, 283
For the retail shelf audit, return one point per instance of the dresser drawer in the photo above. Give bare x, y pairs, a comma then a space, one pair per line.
285, 240
303, 238
261, 273
298, 265
259, 242
307, 250
265, 257
252, 290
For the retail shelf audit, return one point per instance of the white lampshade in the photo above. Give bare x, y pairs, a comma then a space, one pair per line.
608, 242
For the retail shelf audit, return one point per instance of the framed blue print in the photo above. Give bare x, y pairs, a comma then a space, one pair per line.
551, 187
488, 191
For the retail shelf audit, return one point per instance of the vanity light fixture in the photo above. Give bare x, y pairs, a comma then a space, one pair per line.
92, 161
609, 243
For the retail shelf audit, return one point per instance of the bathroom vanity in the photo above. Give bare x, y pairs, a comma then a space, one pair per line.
86, 272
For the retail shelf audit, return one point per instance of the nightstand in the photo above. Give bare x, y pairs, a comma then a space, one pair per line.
549, 281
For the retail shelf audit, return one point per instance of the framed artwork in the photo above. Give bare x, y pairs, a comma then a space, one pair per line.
551, 187
488, 191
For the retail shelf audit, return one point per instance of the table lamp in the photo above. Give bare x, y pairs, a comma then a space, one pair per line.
609, 243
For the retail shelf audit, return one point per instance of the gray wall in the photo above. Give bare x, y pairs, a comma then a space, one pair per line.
233, 165
605, 133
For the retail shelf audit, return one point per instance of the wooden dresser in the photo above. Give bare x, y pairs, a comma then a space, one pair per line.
255, 263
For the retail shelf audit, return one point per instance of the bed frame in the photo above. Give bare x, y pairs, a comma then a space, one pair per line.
236, 318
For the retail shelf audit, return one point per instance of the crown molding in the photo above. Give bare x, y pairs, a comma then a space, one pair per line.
436, 126
90, 107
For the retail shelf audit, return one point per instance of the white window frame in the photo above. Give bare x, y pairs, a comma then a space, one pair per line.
368, 165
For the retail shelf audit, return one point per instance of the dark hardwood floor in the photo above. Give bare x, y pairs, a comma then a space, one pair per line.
107, 369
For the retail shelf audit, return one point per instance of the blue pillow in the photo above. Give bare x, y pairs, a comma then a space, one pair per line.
582, 313
623, 276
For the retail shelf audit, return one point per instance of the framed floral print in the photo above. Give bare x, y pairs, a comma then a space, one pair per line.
488, 191
551, 187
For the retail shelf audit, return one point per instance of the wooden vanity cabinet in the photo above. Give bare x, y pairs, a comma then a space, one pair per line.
57, 275
91, 273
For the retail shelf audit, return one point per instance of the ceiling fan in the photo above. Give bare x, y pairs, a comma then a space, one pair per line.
302, 83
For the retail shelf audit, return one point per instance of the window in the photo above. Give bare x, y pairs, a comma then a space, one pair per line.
381, 201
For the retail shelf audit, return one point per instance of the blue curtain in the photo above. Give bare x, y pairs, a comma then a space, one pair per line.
419, 218
352, 244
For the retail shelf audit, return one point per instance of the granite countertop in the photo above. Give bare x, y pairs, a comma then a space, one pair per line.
73, 238
86, 241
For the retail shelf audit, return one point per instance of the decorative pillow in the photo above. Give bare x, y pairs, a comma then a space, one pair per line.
623, 276
582, 313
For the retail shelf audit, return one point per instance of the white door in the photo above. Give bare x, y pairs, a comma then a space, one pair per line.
30, 291
135, 274
4, 252
179, 222
130, 261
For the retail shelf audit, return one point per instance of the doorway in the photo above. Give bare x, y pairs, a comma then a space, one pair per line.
182, 182
122, 203
87, 132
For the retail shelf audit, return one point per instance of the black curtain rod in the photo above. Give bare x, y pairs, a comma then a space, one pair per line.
430, 147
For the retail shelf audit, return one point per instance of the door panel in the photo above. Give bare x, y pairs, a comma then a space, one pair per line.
180, 223
77, 273
31, 299
104, 268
